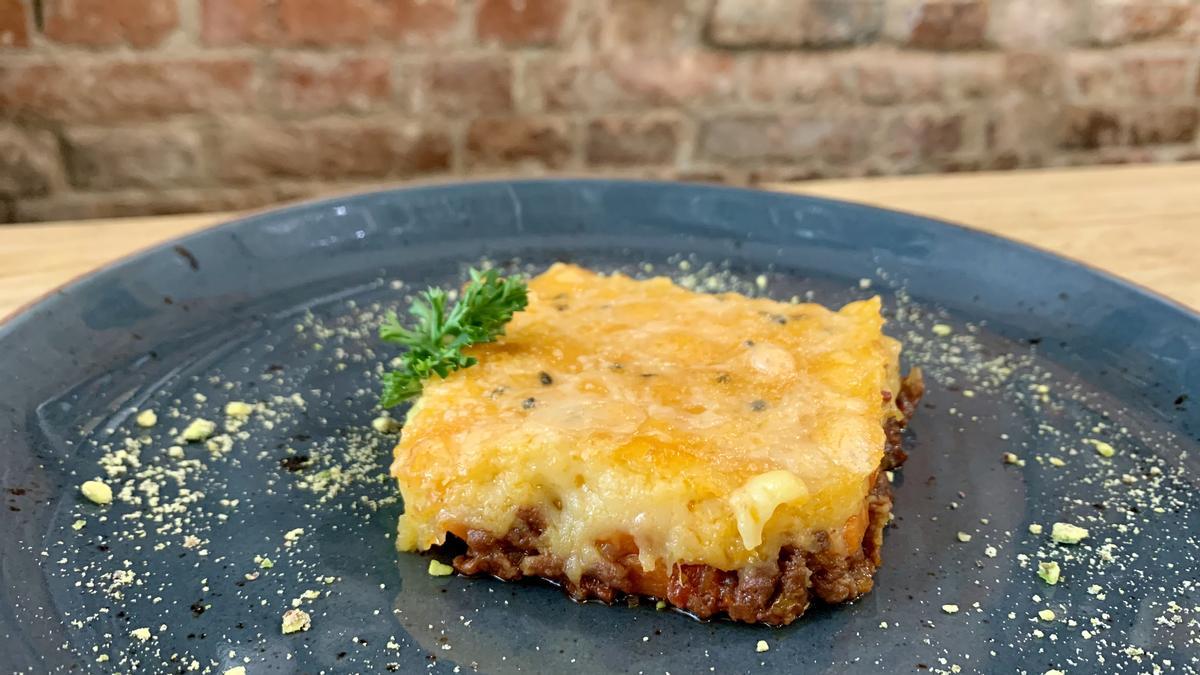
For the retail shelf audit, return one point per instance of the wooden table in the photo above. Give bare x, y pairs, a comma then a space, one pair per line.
1142, 223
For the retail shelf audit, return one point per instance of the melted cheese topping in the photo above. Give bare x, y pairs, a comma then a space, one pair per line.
711, 429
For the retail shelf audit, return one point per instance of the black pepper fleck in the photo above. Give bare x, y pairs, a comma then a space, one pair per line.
749, 343
545, 378
758, 405
723, 378
294, 462
529, 403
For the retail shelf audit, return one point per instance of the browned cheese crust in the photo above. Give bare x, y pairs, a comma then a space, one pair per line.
774, 594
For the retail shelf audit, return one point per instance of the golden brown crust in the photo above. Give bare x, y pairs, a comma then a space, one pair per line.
776, 593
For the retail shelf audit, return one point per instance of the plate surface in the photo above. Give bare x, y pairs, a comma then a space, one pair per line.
1025, 353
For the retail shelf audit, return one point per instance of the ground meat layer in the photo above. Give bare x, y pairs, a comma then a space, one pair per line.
774, 594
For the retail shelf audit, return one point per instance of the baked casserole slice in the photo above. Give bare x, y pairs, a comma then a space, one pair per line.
721, 453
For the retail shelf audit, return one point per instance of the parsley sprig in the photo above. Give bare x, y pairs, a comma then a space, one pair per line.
436, 342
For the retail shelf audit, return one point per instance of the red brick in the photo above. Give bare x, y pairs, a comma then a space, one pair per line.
259, 150
793, 77
658, 25
30, 162
1033, 72
706, 174
1020, 127
751, 139
106, 23
509, 142
887, 78
974, 75
1158, 76
1119, 21
787, 174
1090, 127
227, 22
672, 79
1189, 30
125, 90
420, 22
940, 24
556, 83
1092, 76
521, 22
142, 156
146, 202
1156, 126
307, 84
327, 22
641, 139
913, 137
469, 86
793, 23
1034, 24
14, 24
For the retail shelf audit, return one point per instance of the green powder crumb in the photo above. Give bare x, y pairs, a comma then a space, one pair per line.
78, 525
1011, 458
1103, 449
1066, 533
950, 609
146, 418
198, 430
964, 537
1049, 572
438, 568
385, 425
141, 634
238, 409
1046, 615
660, 605
97, 491
1035, 528
942, 330
296, 620
761, 646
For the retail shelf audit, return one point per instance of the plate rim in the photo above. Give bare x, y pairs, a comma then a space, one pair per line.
48, 298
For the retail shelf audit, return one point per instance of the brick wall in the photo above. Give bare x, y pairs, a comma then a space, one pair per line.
116, 107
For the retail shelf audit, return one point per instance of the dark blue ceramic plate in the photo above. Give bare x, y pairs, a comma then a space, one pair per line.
1025, 353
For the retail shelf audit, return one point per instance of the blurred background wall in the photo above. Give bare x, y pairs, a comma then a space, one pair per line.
121, 107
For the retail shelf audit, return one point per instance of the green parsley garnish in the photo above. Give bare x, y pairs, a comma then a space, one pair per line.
435, 344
